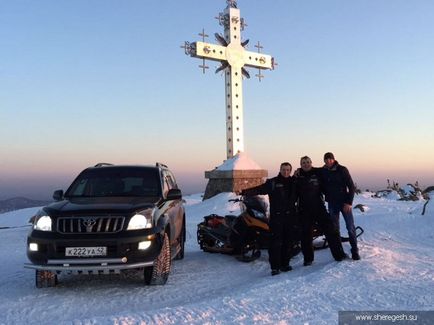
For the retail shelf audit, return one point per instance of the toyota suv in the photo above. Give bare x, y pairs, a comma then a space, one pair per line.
112, 219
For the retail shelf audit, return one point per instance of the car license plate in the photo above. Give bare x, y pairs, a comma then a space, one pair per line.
85, 251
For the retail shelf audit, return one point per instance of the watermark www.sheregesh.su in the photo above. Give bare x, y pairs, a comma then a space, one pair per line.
386, 317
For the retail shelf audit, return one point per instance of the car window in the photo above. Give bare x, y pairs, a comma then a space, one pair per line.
116, 182
172, 180
169, 182
166, 185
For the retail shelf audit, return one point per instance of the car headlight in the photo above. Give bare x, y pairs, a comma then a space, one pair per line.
141, 220
43, 223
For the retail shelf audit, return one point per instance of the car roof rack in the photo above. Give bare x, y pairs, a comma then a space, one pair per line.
158, 164
103, 164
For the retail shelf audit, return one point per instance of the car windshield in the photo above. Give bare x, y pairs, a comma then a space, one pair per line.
122, 181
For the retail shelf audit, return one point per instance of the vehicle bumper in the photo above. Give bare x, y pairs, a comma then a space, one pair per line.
96, 266
123, 252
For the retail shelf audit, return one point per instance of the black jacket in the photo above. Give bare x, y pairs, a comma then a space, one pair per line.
281, 193
309, 190
338, 184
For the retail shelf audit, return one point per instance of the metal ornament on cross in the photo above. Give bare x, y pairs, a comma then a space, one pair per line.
233, 57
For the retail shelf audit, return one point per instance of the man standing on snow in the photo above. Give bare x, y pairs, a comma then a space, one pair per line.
312, 210
281, 193
339, 193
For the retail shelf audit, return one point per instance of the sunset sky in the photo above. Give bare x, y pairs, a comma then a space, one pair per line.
90, 81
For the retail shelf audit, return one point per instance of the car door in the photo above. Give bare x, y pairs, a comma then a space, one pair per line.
174, 209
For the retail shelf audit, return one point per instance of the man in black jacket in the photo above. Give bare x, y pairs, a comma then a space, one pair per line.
312, 210
339, 193
281, 193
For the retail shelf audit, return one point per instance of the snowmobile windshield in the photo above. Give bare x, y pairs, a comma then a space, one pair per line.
115, 182
255, 203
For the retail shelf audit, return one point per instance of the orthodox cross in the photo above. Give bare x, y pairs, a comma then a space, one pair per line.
233, 56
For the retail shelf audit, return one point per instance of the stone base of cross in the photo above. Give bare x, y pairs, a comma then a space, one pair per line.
232, 181
234, 175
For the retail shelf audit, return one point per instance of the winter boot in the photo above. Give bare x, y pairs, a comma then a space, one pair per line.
341, 258
286, 268
275, 272
355, 256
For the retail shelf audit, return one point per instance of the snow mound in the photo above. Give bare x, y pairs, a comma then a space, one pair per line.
388, 195
409, 192
367, 194
240, 161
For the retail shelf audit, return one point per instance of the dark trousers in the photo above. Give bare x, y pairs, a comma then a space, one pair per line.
334, 210
311, 217
281, 241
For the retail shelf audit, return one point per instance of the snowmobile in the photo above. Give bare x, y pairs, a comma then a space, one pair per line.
244, 235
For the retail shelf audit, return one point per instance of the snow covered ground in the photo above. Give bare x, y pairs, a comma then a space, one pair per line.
396, 273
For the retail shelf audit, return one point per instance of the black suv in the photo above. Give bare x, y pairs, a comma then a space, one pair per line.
111, 219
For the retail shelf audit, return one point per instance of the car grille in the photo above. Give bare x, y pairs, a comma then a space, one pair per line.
90, 225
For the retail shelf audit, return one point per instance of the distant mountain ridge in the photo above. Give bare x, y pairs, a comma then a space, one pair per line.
17, 203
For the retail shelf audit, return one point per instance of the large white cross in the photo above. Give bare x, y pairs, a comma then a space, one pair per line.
233, 57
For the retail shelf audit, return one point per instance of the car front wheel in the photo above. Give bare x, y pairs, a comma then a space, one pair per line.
159, 272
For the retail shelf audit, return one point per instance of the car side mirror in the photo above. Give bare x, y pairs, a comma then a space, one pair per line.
174, 194
58, 195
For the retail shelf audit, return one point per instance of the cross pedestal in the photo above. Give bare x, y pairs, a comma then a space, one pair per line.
236, 174
232, 181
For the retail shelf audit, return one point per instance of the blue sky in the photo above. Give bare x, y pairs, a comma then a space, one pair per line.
88, 81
